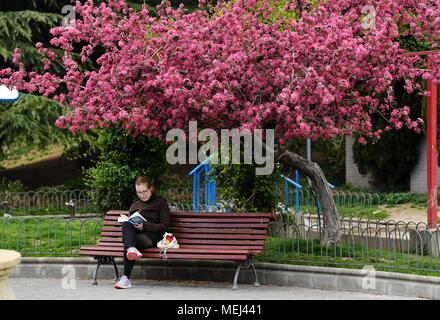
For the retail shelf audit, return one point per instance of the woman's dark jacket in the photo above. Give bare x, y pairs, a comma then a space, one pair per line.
156, 211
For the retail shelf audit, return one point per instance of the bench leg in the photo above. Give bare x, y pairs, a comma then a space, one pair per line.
116, 270
104, 260
237, 272
256, 282
95, 274
246, 265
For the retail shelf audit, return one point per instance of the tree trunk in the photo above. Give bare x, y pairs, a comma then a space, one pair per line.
319, 183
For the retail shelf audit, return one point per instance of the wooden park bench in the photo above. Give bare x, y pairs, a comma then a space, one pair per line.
202, 236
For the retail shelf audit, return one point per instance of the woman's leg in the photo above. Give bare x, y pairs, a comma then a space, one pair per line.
129, 240
140, 240
128, 235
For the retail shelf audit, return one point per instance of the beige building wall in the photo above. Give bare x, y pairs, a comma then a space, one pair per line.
418, 179
352, 175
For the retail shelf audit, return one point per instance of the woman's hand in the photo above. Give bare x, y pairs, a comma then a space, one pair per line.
139, 226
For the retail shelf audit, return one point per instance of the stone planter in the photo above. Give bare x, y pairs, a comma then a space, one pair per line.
8, 260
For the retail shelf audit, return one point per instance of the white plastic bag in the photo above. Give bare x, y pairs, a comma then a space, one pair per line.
168, 241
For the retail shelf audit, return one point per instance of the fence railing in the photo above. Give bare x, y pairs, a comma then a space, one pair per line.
66, 201
342, 198
79, 202
386, 245
311, 219
48, 236
306, 198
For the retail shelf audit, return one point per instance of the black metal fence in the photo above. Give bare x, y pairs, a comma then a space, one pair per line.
384, 244
74, 202
293, 239
79, 203
48, 236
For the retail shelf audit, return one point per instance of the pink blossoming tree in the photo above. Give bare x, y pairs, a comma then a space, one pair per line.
318, 70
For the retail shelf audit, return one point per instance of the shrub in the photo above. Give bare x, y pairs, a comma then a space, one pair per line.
11, 186
244, 190
123, 158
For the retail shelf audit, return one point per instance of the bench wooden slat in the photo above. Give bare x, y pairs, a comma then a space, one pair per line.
102, 248
204, 241
111, 229
203, 214
221, 214
112, 224
221, 225
212, 218
214, 230
111, 244
226, 247
100, 253
120, 245
169, 255
198, 218
111, 239
210, 242
221, 242
179, 235
195, 250
114, 217
197, 256
222, 220
181, 230
180, 250
111, 234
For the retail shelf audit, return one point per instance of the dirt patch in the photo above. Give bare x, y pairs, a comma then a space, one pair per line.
406, 213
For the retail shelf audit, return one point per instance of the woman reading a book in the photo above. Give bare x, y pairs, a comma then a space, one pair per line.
149, 218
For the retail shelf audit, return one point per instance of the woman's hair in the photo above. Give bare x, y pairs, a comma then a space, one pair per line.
147, 182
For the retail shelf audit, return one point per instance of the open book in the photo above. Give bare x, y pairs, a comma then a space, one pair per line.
135, 218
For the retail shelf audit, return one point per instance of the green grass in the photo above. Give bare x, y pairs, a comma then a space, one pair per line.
356, 212
50, 211
312, 253
44, 237
366, 213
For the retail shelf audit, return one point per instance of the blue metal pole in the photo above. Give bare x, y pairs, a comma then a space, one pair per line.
198, 191
208, 186
213, 191
194, 191
196, 185
286, 193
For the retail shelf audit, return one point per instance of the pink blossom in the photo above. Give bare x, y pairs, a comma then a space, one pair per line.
322, 75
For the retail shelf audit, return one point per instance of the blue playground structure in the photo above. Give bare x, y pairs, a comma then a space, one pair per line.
210, 186
211, 193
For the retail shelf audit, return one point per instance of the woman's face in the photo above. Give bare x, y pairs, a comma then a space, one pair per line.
143, 192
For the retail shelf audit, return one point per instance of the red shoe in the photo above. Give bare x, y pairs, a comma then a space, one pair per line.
133, 254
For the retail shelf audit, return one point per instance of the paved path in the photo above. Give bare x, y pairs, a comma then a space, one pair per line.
54, 289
